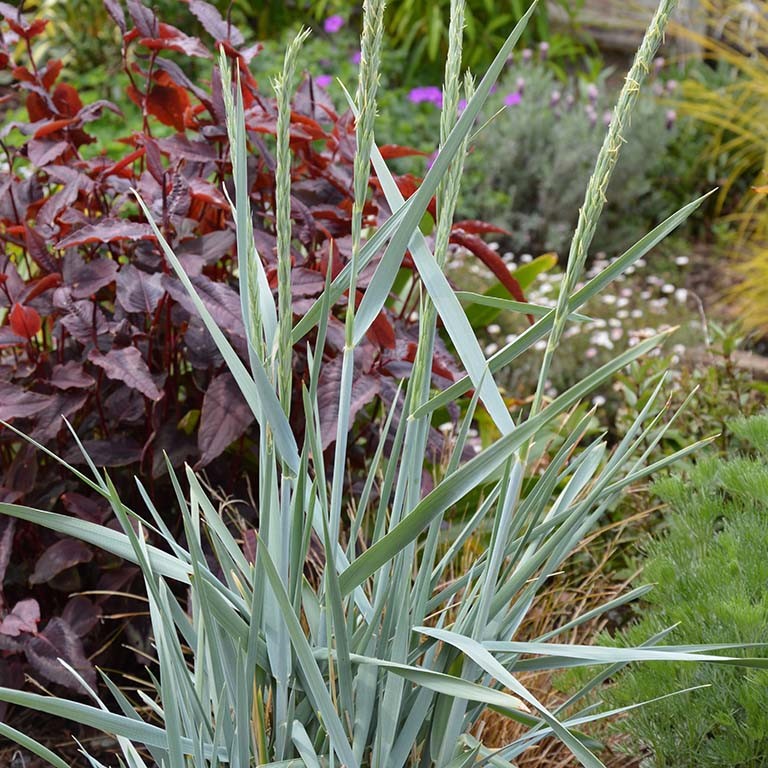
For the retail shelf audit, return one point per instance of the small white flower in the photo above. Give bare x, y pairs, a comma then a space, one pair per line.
491, 349
667, 288
598, 400
622, 302
590, 353
681, 261
526, 257
681, 295
609, 299
493, 329
511, 338
623, 314
540, 345
636, 313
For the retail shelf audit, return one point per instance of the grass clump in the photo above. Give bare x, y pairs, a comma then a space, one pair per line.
709, 573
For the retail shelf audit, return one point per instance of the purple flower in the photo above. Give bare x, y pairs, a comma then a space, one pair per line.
527, 55
520, 85
356, 56
462, 105
607, 117
592, 92
658, 64
671, 86
333, 24
513, 99
323, 81
671, 118
543, 50
554, 99
428, 93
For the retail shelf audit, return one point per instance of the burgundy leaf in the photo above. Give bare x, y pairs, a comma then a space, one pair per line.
6, 541
38, 250
493, 261
58, 202
178, 446
84, 279
58, 557
17, 403
144, 19
249, 545
118, 452
12, 284
219, 299
477, 227
224, 418
106, 231
94, 110
43, 152
166, 101
391, 151
23, 618
202, 351
10, 339
58, 641
209, 248
214, 24
11, 676
306, 282
176, 77
49, 419
22, 472
71, 376
25, 321
127, 365
173, 39
364, 388
179, 198
83, 319
182, 148
115, 10
93, 510
207, 193
81, 614
9, 495
137, 291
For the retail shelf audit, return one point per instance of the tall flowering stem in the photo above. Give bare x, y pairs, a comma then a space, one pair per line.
367, 87
283, 86
598, 184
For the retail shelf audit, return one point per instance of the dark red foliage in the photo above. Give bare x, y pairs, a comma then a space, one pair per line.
101, 332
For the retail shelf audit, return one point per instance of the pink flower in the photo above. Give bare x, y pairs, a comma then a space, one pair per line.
430, 93
333, 24
513, 99
356, 56
323, 81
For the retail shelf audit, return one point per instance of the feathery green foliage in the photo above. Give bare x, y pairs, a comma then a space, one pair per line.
710, 574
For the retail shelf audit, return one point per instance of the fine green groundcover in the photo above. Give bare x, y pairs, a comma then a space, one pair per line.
710, 573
